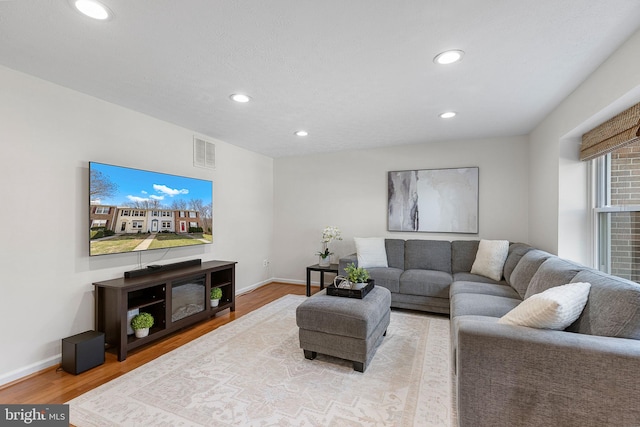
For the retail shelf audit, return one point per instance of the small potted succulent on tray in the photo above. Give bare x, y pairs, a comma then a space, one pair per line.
215, 295
356, 276
141, 324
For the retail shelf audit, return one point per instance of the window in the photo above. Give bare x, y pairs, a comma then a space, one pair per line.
102, 210
192, 214
136, 225
617, 211
99, 223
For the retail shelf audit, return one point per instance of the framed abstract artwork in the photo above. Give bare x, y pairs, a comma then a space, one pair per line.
433, 200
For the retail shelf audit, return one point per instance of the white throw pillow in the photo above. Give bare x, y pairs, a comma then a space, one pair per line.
556, 308
490, 258
371, 252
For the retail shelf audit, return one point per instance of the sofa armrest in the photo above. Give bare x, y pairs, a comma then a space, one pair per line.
344, 261
518, 376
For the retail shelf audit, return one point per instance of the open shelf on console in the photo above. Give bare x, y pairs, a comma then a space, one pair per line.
176, 298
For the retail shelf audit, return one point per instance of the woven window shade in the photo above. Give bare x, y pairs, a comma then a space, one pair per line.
616, 132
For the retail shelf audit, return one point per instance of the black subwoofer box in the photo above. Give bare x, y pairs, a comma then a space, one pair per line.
82, 352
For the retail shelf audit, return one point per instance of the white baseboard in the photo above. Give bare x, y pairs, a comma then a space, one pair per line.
30, 369
56, 360
291, 281
253, 287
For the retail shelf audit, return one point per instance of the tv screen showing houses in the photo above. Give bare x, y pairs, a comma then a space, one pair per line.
135, 210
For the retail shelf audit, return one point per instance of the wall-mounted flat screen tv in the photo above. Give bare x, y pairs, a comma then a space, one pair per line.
133, 210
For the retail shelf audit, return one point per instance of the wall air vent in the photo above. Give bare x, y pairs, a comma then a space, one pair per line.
204, 153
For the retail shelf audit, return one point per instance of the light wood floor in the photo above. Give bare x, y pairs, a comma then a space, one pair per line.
56, 386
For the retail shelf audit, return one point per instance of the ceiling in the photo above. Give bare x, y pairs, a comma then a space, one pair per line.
355, 74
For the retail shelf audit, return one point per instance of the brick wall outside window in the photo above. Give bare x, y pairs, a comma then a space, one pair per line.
625, 226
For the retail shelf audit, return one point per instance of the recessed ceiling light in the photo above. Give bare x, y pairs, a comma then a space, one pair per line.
447, 114
239, 97
93, 9
301, 133
448, 57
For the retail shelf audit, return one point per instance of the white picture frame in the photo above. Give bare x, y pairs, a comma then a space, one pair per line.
434, 200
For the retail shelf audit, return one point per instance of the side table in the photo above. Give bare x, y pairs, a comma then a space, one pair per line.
332, 268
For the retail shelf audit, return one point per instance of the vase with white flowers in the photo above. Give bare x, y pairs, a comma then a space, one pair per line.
329, 234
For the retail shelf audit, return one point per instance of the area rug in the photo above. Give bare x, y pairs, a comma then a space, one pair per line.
252, 372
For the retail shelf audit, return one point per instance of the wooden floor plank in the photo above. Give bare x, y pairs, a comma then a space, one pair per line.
56, 386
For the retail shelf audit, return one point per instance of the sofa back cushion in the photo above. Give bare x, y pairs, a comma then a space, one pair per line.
553, 272
463, 253
613, 307
526, 268
395, 253
516, 252
427, 255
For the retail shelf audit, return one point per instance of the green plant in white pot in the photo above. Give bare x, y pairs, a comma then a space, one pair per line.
357, 276
215, 295
141, 324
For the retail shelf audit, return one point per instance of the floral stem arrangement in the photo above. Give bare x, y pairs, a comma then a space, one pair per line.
329, 234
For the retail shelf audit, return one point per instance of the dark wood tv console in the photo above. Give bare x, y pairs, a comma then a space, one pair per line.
158, 294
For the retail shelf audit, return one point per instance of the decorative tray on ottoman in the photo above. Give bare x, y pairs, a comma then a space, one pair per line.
335, 291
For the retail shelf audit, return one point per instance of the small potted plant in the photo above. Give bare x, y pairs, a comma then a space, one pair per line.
141, 324
357, 276
215, 295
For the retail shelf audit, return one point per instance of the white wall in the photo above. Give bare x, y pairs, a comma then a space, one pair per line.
48, 134
530, 190
558, 200
349, 190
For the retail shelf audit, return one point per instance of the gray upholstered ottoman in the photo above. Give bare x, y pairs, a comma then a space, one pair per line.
347, 328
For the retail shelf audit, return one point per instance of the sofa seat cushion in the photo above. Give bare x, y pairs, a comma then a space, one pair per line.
481, 305
426, 282
386, 277
498, 290
613, 307
421, 303
470, 277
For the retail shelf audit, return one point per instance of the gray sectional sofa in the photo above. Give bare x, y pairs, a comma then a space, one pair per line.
506, 375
